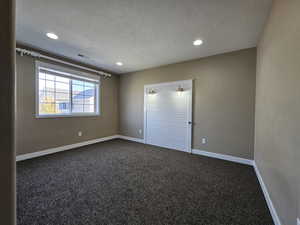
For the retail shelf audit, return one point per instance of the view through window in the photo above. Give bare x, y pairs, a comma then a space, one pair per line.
62, 94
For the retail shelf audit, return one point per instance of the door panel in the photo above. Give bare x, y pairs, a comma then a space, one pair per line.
167, 113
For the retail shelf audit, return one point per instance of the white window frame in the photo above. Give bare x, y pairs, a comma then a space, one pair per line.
73, 74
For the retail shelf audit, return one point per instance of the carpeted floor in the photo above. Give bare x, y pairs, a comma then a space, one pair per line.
122, 182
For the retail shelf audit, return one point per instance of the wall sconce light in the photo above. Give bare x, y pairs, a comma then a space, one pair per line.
151, 92
180, 89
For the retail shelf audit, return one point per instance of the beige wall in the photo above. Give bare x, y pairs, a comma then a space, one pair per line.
277, 140
39, 134
223, 108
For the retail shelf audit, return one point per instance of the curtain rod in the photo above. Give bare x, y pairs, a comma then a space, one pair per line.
38, 55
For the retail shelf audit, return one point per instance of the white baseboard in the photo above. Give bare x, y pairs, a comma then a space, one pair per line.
267, 197
63, 148
131, 138
262, 184
224, 157
72, 146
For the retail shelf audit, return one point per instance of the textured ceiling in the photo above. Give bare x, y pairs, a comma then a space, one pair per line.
140, 33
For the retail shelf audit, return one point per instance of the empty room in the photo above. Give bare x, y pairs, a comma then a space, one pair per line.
148, 112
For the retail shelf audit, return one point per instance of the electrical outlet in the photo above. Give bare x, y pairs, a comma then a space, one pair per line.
140, 131
204, 141
79, 133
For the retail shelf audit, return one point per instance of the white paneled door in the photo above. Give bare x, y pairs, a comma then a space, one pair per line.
168, 115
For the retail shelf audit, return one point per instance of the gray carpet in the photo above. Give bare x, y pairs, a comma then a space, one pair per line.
122, 182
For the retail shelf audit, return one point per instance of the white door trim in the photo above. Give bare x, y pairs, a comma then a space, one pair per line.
145, 113
190, 108
190, 119
167, 83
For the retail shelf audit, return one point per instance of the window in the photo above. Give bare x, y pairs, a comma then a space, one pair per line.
63, 92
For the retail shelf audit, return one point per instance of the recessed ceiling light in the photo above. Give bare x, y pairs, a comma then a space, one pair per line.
198, 42
119, 63
52, 36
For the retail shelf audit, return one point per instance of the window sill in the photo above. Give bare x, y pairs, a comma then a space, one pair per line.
66, 116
